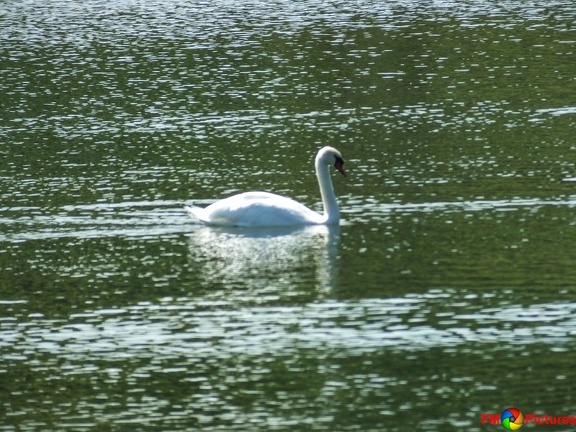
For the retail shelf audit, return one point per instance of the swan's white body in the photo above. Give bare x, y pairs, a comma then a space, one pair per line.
264, 209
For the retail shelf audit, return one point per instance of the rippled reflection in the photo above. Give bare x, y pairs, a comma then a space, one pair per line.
266, 258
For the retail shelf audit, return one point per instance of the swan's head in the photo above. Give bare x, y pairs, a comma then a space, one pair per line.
331, 156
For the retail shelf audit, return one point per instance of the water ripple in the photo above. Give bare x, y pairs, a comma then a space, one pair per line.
175, 327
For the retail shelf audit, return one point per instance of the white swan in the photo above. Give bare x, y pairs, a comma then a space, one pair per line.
264, 209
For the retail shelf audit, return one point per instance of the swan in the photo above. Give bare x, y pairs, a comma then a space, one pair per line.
265, 209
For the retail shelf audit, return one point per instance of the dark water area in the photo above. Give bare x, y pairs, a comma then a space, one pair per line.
447, 291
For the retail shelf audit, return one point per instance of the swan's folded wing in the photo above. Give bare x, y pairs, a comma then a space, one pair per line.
254, 209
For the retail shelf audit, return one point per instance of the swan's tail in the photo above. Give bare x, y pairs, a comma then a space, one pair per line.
197, 213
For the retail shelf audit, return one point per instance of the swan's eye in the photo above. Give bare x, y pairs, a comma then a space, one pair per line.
339, 165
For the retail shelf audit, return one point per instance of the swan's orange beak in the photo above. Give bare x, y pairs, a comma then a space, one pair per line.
339, 165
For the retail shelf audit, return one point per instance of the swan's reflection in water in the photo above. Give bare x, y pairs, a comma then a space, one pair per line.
266, 258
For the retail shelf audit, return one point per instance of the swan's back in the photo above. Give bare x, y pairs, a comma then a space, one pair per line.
252, 209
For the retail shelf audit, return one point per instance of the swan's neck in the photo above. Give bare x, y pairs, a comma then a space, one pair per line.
331, 210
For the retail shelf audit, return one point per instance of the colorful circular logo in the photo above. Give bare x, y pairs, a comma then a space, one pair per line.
512, 419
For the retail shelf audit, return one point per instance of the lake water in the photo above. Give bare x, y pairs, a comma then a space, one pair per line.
448, 291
